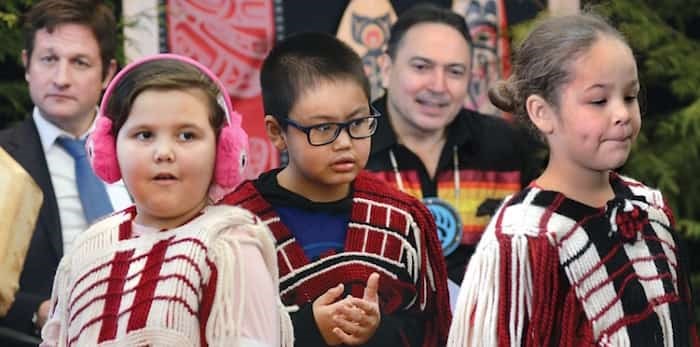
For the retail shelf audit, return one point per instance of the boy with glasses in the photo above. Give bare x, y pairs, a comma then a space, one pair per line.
360, 260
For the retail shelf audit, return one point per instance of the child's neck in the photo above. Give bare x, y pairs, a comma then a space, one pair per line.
590, 187
168, 222
313, 191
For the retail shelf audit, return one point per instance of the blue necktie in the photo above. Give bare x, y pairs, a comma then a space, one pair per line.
92, 192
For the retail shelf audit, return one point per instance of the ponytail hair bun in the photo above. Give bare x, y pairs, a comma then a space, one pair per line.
503, 96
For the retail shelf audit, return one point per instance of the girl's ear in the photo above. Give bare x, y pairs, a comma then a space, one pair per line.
541, 113
275, 133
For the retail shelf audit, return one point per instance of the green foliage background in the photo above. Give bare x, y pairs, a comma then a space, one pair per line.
14, 98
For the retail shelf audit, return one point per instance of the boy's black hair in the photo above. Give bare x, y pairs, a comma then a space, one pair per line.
420, 14
303, 61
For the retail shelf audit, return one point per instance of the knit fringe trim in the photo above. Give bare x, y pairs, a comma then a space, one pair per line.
150, 337
57, 310
478, 320
225, 325
475, 319
520, 289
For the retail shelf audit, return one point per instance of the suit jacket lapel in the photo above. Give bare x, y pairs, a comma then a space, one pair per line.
26, 148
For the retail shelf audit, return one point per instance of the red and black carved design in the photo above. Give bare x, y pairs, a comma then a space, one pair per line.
490, 51
373, 34
231, 38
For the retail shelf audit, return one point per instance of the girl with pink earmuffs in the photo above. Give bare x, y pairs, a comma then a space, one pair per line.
173, 269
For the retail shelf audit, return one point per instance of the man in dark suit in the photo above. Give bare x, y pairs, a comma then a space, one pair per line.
69, 59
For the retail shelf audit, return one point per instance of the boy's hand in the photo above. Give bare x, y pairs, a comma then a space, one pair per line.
357, 319
324, 307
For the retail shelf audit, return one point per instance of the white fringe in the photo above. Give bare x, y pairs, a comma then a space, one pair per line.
475, 321
478, 298
57, 311
267, 247
225, 324
286, 327
521, 289
222, 319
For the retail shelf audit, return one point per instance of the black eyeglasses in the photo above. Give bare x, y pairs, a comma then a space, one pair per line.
325, 133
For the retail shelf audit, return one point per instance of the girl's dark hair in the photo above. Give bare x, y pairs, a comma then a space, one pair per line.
542, 63
165, 74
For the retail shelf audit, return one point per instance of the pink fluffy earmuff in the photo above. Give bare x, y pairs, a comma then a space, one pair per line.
232, 146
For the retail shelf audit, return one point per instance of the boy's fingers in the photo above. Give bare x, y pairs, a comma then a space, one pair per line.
348, 326
330, 295
343, 336
372, 288
351, 313
363, 320
349, 333
369, 308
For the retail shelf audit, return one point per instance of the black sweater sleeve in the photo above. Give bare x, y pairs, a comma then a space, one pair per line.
306, 331
400, 329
